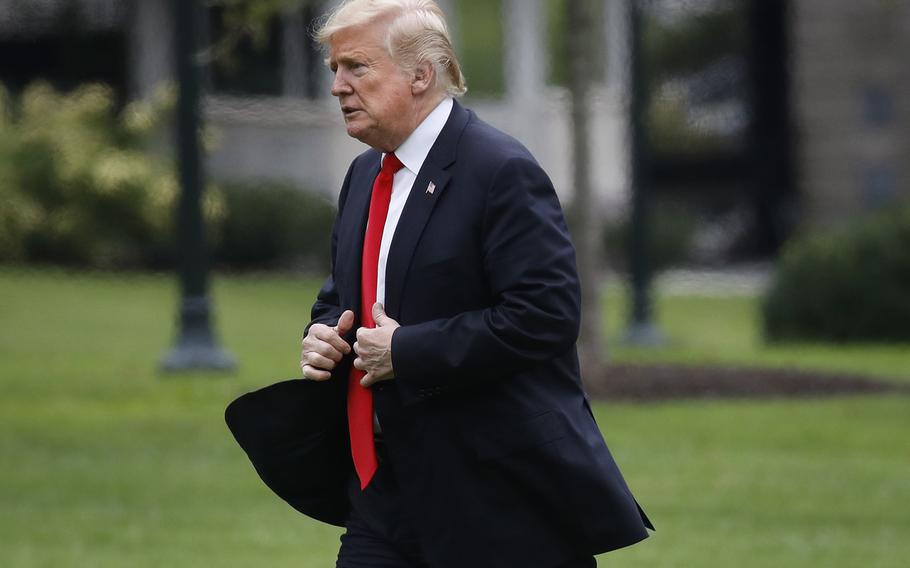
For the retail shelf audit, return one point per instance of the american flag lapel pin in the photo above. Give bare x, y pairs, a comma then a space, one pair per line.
431, 188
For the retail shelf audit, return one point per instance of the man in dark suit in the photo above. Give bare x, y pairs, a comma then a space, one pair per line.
473, 444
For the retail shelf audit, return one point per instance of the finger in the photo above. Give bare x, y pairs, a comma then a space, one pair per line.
326, 350
315, 374
357, 347
330, 336
345, 323
318, 361
360, 364
367, 380
381, 318
312, 333
320, 348
379, 315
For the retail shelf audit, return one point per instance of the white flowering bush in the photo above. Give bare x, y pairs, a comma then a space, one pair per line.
78, 184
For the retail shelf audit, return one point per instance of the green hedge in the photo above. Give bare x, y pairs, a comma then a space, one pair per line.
848, 285
275, 224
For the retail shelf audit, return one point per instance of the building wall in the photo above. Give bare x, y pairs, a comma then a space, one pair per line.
292, 137
851, 94
305, 141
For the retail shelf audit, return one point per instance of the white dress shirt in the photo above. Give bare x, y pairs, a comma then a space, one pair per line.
411, 154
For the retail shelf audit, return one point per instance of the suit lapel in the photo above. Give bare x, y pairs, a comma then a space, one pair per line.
428, 188
414, 218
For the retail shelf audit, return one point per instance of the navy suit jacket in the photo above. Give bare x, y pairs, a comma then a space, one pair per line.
487, 427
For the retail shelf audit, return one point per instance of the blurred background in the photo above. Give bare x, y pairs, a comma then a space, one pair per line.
736, 175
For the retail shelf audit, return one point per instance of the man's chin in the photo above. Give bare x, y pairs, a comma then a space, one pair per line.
358, 132
353, 126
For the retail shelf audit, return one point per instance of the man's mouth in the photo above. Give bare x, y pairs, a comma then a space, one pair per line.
348, 111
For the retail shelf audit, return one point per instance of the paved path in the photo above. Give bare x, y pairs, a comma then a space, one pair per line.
740, 280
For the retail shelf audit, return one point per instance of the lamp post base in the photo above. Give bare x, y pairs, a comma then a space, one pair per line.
187, 356
644, 334
196, 348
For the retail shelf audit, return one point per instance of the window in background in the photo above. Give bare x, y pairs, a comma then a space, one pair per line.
65, 45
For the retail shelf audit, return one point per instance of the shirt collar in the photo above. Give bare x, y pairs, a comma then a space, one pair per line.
414, 150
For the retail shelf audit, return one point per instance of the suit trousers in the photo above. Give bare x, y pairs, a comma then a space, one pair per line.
378, 534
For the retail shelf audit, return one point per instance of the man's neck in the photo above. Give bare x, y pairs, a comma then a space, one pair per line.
423, 106
426, 106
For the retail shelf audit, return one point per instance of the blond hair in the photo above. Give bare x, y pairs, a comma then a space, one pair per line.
417, 33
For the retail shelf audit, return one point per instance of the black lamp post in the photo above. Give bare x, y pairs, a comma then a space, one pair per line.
196, 347
641, 331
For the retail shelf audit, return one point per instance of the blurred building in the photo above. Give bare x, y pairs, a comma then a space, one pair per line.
66, 43
298, 132
271, 108
844, 89
851, 95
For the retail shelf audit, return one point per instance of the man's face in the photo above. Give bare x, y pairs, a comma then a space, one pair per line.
375, 94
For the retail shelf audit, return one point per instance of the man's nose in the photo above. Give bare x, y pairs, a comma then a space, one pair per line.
340, 86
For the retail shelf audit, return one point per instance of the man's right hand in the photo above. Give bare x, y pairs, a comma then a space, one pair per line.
323, 348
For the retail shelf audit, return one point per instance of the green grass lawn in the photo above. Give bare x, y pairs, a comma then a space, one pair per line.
105, 463
727, 331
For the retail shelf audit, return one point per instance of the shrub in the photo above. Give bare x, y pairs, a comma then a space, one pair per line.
275, 223
671, 230
848, 285
77, 184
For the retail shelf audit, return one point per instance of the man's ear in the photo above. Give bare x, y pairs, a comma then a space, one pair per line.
424, 78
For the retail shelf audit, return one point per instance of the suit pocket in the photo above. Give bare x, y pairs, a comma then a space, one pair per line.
520, 436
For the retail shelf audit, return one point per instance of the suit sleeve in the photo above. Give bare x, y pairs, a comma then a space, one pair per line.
327, 307
529, 262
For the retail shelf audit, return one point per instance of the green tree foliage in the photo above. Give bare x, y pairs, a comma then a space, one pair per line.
480, 46
248, 19
557, 30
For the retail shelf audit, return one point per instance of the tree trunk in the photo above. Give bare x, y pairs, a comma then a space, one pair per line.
580, 18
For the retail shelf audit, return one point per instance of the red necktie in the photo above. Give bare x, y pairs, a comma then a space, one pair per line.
360, 399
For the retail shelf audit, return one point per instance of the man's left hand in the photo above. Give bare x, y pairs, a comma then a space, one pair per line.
374, 348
